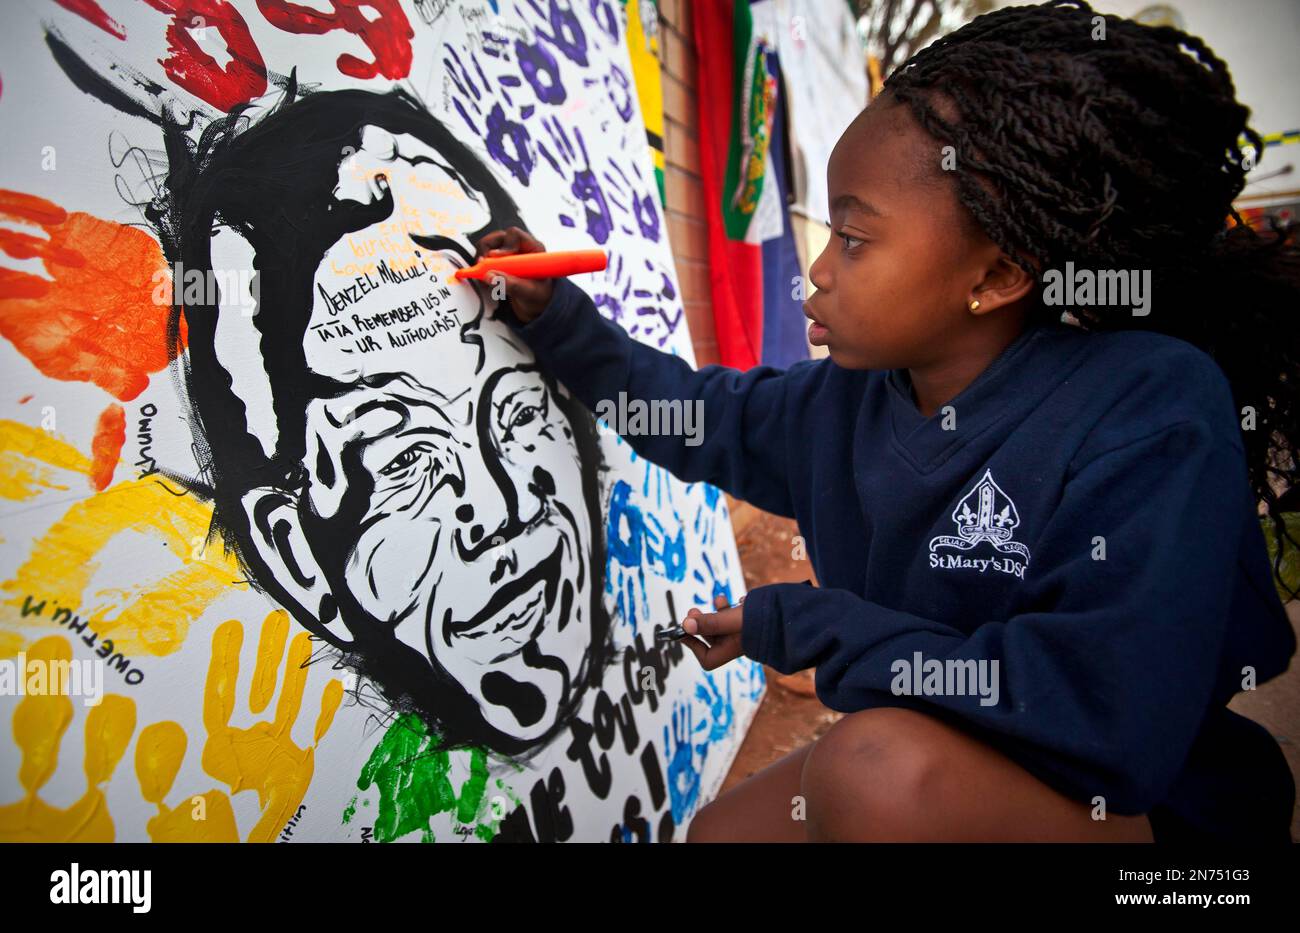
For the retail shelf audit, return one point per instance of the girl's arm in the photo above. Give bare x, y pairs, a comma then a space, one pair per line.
1102, 687
740, 445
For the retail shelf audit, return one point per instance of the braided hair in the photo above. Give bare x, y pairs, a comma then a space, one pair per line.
1116, 145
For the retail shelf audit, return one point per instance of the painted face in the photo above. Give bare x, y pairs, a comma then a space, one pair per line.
474, 534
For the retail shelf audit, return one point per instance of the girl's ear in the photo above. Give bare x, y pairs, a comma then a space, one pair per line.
286, 556
1004, 283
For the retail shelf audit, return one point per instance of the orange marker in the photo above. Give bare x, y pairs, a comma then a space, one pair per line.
536, 265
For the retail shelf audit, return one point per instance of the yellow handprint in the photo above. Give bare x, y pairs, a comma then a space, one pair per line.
263, 757
39, 724
153, 617
158, 756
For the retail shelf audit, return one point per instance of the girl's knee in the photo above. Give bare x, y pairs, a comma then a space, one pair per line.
874, 769
702, 828
713, 822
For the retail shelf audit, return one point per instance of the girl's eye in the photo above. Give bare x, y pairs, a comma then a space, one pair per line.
846, 238
406, 458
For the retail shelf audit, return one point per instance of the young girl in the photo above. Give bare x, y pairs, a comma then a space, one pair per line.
1042, 570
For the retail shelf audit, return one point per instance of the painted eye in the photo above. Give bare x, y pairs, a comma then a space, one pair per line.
527, 414
524, 416
406, 459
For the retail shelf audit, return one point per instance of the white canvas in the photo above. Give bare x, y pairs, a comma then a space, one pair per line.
323, 509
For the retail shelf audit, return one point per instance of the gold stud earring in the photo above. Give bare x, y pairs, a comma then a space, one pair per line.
975, 305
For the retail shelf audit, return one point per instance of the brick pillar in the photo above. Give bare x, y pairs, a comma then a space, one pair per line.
684, 190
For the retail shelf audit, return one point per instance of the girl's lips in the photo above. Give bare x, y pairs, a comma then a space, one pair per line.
817, 331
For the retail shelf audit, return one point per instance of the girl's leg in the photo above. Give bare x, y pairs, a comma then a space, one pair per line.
761, 808
896, 774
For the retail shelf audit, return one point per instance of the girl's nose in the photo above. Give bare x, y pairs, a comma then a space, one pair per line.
819, 271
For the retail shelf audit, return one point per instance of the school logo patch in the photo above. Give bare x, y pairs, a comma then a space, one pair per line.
984, 514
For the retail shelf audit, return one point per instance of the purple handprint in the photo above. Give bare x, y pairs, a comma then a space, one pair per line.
660, 299
619, 87
567, 34
584, 186
644, 207
502, 130
541, 71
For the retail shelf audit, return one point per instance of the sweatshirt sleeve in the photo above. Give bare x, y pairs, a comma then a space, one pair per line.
1102, 685
740, 445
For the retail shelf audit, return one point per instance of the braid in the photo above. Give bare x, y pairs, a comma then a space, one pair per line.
1125, 151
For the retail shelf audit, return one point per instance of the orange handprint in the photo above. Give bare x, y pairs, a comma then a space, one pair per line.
97, 318
39, 723
263, 757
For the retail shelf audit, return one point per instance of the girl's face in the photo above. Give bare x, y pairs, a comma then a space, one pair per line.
895, 281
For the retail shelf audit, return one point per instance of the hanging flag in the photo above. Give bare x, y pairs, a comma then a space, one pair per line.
825, 85
785, 328
643, 50
753, 263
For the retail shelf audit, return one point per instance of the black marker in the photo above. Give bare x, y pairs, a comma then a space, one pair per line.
671, 633
675, 631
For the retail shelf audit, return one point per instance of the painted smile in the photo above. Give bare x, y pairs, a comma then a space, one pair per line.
516, 604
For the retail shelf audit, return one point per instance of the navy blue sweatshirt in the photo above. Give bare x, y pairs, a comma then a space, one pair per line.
1079, 514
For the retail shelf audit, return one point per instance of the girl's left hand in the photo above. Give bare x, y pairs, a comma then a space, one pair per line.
722, 629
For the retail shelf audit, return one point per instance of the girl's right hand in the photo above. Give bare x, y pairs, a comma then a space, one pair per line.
721, 629
528, 297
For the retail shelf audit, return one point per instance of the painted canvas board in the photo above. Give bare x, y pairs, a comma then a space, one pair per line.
297, 541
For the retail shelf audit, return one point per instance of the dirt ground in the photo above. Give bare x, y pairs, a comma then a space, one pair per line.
791, 716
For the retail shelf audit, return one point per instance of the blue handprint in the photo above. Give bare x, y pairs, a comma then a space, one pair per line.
637, 542
720, 707
508, 140
683, 772
662, 481
624, 563
665, 551
712, 584
707, 514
